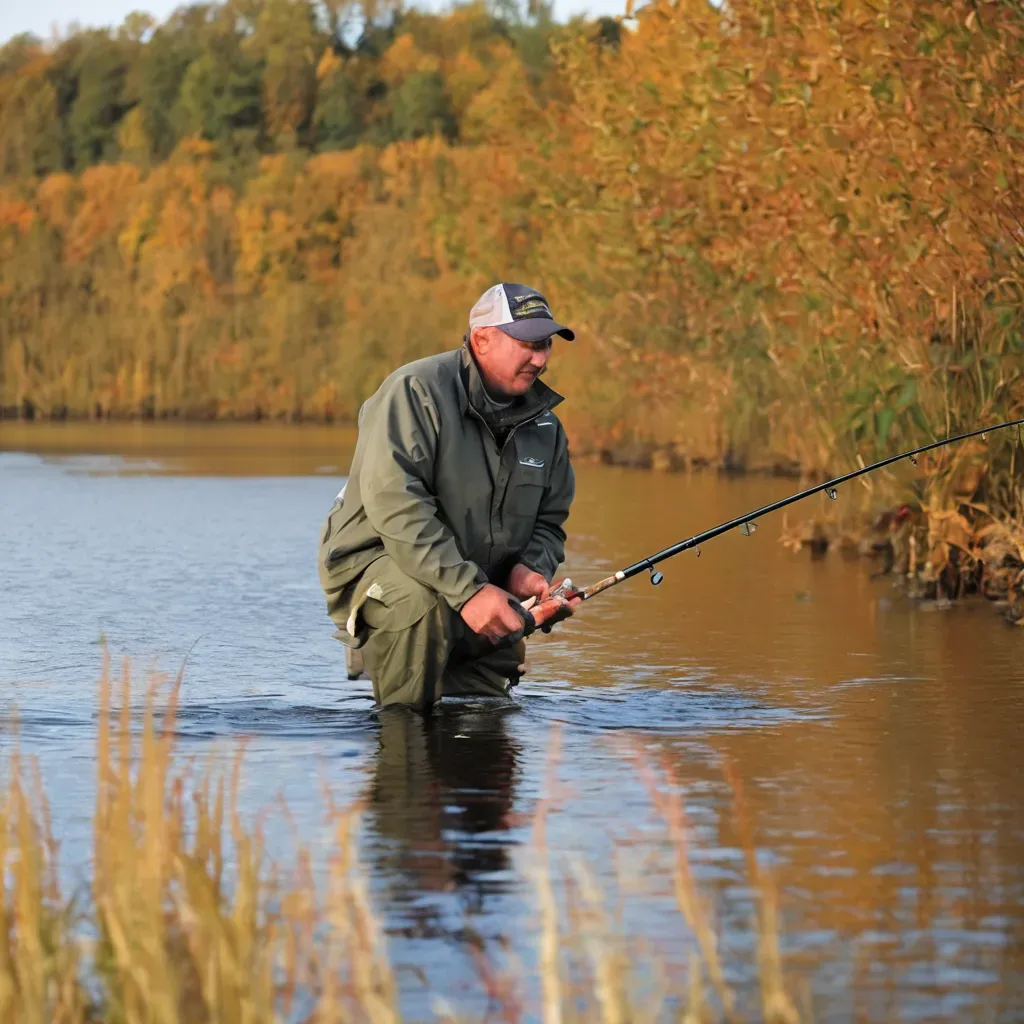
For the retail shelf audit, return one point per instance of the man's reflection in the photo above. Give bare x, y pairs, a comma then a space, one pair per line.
439, 808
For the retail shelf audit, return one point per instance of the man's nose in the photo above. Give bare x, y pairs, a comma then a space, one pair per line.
539, 359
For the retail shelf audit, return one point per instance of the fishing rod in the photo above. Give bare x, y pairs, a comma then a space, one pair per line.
746, 524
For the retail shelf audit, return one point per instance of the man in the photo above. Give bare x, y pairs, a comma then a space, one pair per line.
453, 511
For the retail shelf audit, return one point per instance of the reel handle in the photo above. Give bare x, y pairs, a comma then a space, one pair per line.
565, 589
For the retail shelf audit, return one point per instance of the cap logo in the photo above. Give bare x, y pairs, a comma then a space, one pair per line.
527, 306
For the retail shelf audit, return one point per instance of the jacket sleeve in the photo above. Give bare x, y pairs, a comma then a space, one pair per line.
546, 549
396, 486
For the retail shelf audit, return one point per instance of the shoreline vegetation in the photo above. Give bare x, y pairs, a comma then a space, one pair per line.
789, 233
183, 917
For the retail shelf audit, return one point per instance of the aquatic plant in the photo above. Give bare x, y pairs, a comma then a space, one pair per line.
187, 919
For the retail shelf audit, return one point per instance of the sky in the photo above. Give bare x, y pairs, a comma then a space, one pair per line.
41, 17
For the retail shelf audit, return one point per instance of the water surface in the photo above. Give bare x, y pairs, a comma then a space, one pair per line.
879, 741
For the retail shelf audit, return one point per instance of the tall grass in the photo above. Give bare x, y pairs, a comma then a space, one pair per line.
186, 919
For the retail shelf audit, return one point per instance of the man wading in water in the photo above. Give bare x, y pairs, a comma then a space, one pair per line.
453, 508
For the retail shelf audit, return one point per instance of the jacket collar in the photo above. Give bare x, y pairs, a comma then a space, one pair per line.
539, 399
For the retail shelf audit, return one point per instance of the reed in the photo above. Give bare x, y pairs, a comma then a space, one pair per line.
187, 920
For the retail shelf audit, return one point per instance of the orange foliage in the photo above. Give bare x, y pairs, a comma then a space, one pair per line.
786, 230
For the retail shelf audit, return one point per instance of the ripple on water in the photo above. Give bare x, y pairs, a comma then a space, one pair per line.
678, 708
279, 718
44, 726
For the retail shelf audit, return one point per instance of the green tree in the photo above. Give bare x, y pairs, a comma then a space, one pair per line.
220, 94
339, 118
30, 128
287, 41
421, 107
100, 100
18, 51
161, 71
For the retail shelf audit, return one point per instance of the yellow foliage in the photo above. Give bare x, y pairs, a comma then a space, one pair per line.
132, 136
329, 63
402, 59
503, 111
16, 213
466, 77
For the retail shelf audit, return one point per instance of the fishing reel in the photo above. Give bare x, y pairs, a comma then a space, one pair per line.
565, 589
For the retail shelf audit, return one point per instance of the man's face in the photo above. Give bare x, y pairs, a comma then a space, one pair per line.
509, 367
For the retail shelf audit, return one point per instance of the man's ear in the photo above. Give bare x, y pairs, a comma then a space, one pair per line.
479, 340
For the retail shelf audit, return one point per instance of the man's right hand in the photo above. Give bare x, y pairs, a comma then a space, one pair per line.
489, 613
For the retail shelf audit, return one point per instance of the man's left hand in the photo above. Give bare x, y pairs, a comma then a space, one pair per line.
525, 583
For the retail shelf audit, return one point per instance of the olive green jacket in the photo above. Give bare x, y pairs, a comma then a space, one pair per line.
430, 486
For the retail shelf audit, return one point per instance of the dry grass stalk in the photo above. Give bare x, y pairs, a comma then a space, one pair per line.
38, 958
356, 939
776, 1004
669, 806
610, 972
550, 965
175, 941
697, 1009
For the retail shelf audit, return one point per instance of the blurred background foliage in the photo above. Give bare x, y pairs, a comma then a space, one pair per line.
789, 232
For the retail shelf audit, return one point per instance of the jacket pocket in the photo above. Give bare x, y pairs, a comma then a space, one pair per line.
524, 501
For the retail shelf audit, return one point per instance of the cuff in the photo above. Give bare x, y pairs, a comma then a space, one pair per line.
470, 589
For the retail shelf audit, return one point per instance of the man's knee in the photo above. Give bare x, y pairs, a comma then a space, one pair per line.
417, 648
408, 630
391, 599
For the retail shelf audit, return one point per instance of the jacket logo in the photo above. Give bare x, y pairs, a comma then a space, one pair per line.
532, 462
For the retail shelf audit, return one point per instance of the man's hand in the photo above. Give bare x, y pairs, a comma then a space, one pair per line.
488, 613
525, 583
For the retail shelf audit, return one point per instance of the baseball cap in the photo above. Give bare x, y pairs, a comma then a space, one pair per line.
519, 311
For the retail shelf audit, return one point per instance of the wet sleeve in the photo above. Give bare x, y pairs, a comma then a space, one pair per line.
546, 549
396, 482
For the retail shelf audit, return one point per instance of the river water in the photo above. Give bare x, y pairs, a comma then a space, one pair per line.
880, 743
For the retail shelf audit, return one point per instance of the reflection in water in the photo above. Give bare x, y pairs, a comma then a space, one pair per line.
439, 806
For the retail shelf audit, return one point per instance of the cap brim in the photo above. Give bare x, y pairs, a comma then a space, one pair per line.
536, 328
